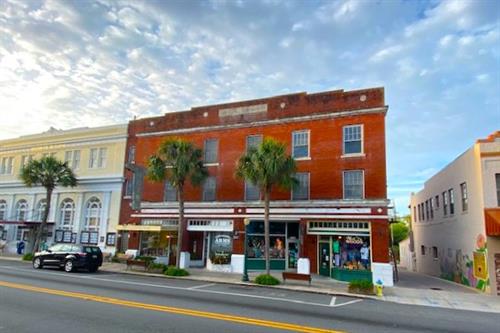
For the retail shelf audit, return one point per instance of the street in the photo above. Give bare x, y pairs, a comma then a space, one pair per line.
54, 301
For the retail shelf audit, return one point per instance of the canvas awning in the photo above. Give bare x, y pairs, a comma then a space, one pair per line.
139, 227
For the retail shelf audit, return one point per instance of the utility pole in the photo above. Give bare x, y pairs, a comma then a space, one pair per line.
393, 220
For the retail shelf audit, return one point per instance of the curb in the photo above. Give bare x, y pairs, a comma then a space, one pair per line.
241, 283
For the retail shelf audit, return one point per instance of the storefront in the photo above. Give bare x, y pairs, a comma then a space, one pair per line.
283, 247
344, 249
211, 243
157, 238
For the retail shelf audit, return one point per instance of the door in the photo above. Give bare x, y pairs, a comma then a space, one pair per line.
497, 271
324, 259
292, 253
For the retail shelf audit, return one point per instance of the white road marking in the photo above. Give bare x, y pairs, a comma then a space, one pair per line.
183, 288
332, 302
202, 286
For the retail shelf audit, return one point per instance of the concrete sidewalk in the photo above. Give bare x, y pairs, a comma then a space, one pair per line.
413, 288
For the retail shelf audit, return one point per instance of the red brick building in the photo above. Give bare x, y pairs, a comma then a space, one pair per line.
337, 217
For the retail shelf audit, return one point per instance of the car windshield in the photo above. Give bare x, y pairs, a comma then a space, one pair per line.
90, 249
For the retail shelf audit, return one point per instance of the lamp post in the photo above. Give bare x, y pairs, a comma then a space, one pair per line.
245, 271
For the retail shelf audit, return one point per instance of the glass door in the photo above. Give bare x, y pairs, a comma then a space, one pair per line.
324, 258
292, 253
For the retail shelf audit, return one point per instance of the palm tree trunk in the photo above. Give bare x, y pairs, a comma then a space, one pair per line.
180, 194
43, 225
266, 231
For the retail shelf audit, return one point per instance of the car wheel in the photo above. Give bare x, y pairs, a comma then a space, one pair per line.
37, 263
68, 266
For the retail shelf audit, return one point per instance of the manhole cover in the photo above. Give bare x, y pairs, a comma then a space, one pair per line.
436, 288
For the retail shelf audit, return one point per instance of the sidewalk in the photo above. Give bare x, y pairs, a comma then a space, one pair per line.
413, 288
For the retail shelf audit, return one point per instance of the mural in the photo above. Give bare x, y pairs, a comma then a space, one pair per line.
468, 270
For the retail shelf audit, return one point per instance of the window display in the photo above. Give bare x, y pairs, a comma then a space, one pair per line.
221, 246
351, 252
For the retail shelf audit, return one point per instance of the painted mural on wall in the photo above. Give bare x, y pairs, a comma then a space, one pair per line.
468, 269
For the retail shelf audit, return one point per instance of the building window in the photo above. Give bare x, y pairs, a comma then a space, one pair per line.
7, 166
72, 157
252, 192
3, 210
300, 144
497, 178
211, 149
353, 139
98, 158
129, 186
435, 252
93, 214
40, 210
465, 199
131, 155
437, 201
445, 204
67, 213
93, 158
427, 210
422, 250
253, 141
452, 201
21, 210
415, 213
431, 207
25, 159
209, 189
169, 192
301, 192
353, 184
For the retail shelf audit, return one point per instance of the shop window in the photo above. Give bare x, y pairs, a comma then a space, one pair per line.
452, 201
300, 144
111, 239
170, 192
211, 147
301, 192
221, 247
252, 192
353, 184
255, 240
89, 237
3, 210
253, 141
353, 139
465, 199
422, 250
351, 252
209, 189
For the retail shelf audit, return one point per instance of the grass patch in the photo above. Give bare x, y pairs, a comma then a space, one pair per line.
266, 280
174, 271
364, 287
28, 257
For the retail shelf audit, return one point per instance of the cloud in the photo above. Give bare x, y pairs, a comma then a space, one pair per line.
89, 63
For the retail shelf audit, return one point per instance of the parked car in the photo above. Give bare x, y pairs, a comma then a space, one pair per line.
70, 257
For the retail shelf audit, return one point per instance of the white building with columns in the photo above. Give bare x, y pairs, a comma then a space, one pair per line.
87, 213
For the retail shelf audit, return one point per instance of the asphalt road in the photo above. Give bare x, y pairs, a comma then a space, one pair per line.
50, 300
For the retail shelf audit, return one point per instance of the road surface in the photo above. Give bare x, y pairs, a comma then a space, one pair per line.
50, 300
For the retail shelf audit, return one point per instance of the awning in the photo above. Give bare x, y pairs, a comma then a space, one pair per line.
139, 227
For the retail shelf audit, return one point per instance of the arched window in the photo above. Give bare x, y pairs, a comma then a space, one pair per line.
21, 210
40, 209
67, 213
3, 210
93, 214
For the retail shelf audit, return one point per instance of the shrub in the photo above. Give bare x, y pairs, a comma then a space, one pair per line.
361, 287
220, 258
160, 267
28, 256
267, 280
147, 259
174, 271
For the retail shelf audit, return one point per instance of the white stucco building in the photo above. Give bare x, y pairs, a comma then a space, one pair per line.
456, 220
87, 213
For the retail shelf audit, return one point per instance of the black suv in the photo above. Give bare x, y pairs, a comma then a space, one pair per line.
70, 257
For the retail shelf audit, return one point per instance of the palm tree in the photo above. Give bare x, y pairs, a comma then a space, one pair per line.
177, 161
267, 166
49, 173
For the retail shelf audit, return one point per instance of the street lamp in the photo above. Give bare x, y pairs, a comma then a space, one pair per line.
245, 271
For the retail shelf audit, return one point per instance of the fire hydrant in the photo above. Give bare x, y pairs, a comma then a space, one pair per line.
379, 286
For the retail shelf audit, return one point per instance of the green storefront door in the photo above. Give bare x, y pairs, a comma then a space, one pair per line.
324, 259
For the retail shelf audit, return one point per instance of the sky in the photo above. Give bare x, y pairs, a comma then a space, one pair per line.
70, 64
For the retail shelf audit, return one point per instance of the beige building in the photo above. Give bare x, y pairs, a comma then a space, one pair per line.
87, 213
456, 220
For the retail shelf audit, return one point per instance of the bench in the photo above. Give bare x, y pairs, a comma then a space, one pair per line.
142, 263
296, 276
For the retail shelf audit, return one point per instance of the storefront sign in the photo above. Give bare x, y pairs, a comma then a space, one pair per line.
353, 240
480, 271
210, 225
